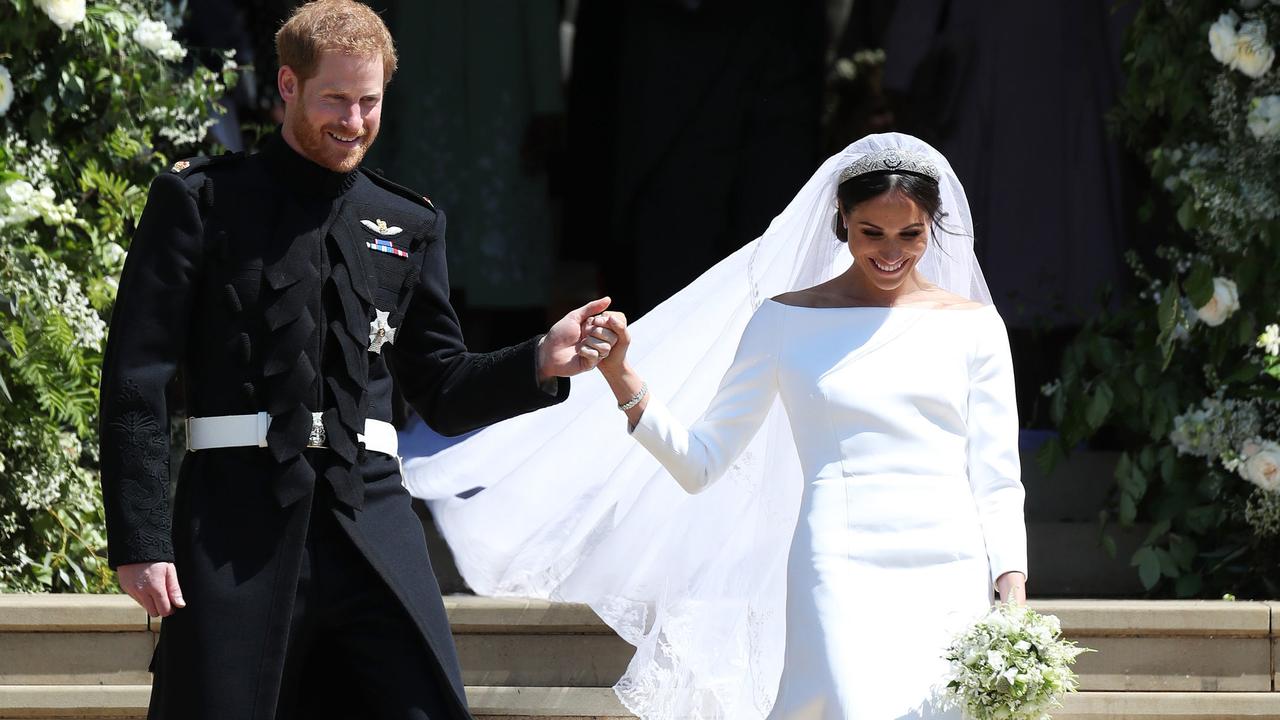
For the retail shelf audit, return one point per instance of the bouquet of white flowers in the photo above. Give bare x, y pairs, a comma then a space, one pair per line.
1012, 664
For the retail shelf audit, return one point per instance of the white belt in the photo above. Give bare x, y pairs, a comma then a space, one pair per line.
224, 431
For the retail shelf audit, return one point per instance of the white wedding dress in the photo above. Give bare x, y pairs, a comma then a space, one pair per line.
821, 575
906, 427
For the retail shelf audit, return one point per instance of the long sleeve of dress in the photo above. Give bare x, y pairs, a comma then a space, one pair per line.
994, 468
144, 347
454, 390
699, 455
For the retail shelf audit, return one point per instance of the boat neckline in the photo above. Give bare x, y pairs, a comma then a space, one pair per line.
879, 307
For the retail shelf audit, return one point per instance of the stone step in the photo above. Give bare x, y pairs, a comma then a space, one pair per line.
1172, 705
127, 702
92, 702
1166, 646
1173, 645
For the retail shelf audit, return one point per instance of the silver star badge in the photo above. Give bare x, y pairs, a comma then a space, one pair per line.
380, 332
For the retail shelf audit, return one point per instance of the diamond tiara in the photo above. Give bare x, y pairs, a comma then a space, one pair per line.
892, 161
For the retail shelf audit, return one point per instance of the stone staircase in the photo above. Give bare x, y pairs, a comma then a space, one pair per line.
85, 657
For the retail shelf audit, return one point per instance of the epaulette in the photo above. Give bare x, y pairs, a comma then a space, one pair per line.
382, 182
200, 162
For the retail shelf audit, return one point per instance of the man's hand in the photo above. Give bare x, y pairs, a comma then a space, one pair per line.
567, 349
154, 586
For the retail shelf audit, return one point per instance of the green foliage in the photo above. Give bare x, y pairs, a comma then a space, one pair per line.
98, 110
1178, 376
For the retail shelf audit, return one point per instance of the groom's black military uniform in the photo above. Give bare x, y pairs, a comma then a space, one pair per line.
262, 281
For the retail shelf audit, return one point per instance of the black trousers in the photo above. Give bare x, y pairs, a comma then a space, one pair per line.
353, 651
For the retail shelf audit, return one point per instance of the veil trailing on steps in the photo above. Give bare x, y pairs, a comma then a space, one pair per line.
562, 504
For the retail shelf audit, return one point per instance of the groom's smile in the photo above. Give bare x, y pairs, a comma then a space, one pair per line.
333, 116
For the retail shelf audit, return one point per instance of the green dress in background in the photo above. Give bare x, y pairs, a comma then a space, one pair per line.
478, 81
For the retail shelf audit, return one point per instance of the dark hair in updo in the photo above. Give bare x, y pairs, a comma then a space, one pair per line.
921, 189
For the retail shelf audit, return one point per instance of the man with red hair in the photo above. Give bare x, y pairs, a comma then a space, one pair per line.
288, 288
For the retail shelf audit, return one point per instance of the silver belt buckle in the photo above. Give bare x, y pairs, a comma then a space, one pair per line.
317, 437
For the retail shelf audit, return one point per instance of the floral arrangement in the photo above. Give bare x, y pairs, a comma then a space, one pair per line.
93, 104
1012, 664
1185, 374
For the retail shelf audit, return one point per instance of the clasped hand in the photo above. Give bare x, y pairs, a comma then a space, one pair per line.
576, 344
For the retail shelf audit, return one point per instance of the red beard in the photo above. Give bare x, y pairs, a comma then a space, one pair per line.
318, 147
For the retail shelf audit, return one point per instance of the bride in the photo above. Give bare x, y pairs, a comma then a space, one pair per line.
848, 493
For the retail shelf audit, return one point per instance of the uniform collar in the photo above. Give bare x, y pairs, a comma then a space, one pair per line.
301, 174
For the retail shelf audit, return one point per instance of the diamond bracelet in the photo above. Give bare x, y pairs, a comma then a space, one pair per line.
635, 399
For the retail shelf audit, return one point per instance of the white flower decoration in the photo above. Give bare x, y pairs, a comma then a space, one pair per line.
1269, 340
113, 255
1222, 37
66, 14
21, 202
1254, 54
6, 90
1264, 116
155, 36
1262, 466
1224, 303
19, 192
380, 332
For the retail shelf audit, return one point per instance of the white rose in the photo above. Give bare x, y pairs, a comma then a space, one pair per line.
19, 192
66, 14
996, 659
1264, 116
1225, 301
1254, 54
113, 255
154, 35
1262, 468
1222, 38
6, 90
151, 34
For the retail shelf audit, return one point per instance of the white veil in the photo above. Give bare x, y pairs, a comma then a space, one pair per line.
570, 508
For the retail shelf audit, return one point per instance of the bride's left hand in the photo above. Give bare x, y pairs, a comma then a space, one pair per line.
1012, 587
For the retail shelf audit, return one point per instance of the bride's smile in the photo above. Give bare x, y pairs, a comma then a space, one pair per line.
889, 268
887, 234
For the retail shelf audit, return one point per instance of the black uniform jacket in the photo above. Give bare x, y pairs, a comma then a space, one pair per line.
256, 279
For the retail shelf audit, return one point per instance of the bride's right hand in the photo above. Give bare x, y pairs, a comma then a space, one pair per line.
610, 327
